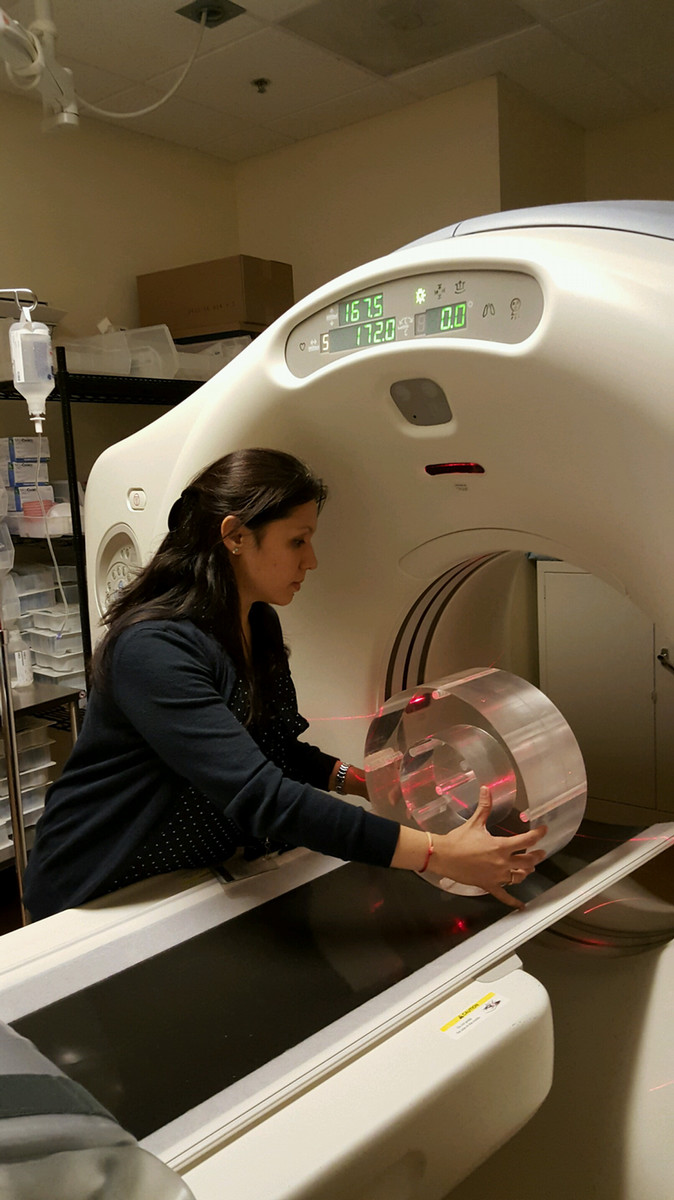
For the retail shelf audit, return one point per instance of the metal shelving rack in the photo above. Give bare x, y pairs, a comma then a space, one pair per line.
63, 705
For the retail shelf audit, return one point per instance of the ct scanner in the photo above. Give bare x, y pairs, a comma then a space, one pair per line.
321, 1030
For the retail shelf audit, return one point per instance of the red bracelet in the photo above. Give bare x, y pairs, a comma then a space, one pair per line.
429, 853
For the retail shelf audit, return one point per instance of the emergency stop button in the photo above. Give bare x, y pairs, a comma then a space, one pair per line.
137, 499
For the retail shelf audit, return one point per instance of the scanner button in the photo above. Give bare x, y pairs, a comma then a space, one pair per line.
137, 499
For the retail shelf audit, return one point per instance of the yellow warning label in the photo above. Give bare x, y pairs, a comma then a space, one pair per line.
490, 999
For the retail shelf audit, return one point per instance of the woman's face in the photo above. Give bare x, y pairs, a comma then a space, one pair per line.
273, 566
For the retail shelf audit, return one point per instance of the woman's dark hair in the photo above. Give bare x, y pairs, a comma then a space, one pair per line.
190, 576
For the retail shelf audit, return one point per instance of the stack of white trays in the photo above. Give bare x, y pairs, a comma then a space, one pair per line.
53, 631
35, 589
56, 641
57, 656
35, 763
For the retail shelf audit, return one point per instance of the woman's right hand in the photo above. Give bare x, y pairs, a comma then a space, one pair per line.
471, 855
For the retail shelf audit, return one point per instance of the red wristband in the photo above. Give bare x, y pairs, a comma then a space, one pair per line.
429, 853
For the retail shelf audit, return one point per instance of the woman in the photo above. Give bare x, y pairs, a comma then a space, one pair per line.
189, 747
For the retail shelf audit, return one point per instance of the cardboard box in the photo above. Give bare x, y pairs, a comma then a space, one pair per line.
226, 294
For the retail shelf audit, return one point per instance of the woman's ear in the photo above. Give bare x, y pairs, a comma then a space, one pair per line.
232, 532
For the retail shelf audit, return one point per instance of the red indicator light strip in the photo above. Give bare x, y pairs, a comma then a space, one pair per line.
454, 468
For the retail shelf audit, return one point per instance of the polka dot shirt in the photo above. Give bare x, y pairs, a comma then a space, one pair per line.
197, 833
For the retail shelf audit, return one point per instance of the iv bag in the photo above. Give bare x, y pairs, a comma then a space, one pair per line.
32, 364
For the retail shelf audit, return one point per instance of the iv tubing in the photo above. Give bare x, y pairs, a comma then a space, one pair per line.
140, 112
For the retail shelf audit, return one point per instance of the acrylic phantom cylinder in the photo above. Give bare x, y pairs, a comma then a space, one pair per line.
430, 750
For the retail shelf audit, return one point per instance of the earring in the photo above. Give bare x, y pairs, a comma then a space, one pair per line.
235, 550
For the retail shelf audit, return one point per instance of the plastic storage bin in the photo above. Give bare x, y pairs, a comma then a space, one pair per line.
59, 663
69, 583
203, 360
28, 779
32, 578
103, 354
33, 805
197, 366
148, 352
75, 681
55, 619
9, 600
34, 588
29, 602
57, 521
30, 759
68, 573
62, 491
32, 797
153, 353
71, 593
32, 802
55, 644
6, 547
31, 731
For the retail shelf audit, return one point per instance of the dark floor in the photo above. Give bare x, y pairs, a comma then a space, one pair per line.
10, 907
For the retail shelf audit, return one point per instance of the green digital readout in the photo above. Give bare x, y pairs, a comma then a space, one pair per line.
441, 320
365, 308
367, 333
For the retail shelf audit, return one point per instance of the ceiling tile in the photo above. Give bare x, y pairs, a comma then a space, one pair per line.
633, 40
570, 83
455, 70
177, 120
136, 39
344, 110
275, 10
544, 66
240, 140
301, 76
549, 10
389, 36
92, 83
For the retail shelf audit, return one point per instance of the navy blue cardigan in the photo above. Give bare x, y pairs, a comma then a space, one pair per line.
162, 723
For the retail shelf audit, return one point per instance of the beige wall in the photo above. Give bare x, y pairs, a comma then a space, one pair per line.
84, 211
332, 202
541, 156
633, 160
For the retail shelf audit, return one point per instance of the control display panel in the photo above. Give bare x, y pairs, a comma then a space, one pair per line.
489, 305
